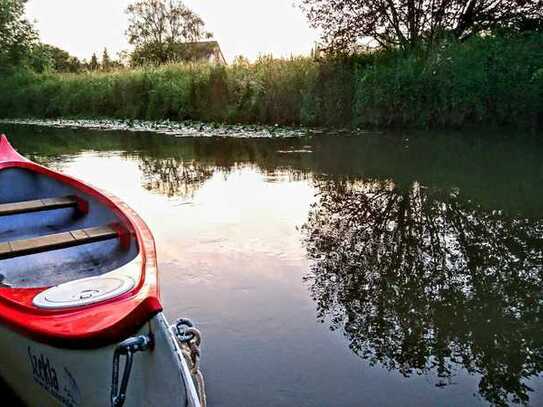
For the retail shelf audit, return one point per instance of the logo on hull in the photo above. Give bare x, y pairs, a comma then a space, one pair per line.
59, 383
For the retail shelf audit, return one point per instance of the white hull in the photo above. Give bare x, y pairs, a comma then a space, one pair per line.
43, 376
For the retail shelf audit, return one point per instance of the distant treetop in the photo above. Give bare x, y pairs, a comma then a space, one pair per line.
156, 27
404, 23
18, 37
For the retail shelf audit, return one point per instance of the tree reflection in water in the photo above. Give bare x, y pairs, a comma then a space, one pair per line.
173, 176
422, 282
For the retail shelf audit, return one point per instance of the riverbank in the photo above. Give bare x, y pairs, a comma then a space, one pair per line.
490, 81
167, 127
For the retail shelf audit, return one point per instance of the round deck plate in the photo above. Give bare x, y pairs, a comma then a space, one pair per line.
83, 292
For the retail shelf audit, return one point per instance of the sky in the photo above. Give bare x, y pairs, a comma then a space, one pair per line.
242, 27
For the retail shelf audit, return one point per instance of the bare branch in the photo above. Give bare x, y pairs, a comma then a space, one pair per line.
344, 23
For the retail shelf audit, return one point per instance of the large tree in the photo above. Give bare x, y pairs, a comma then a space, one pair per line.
17, 36
157, 27
60, 60
408, 22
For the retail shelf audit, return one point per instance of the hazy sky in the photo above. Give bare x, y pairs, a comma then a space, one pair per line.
242, 27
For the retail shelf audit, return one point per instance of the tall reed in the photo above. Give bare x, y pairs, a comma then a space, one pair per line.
496, 80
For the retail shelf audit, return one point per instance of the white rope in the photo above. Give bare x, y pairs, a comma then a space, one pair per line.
196, 374
190, 339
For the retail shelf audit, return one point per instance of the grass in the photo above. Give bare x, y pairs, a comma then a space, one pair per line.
493, 80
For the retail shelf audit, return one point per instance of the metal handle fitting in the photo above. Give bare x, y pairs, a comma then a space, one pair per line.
127, 348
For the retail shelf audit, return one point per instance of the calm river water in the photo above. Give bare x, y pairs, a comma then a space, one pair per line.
337, 270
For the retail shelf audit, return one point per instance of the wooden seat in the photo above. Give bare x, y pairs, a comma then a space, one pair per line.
56, 241
47, 204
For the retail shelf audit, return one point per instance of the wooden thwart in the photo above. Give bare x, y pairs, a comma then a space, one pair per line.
42, 244
39, 205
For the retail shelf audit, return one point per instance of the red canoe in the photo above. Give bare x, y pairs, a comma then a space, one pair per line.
79, 297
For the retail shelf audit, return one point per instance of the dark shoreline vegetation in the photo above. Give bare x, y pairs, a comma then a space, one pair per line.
484, 81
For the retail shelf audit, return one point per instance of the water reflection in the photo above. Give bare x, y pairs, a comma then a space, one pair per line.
169, 166
422, 280
173, 177
426, 258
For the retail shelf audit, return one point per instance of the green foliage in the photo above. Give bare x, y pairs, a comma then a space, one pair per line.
48, 57
168, 53
39, 59
94, 64
269, 91
408, 24
160, 29
17, 36
106, 60
486, 80
495, 80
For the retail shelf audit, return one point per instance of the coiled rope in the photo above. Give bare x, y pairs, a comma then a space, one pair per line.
190, 340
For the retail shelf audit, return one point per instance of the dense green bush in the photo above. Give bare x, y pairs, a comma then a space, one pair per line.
495, 80
486, 80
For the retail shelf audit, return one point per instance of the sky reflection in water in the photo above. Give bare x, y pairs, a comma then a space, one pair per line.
339, 271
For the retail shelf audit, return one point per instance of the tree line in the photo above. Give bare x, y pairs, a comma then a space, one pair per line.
60, 60
158, 31
345, 24
458, 66
161, 31
20, 46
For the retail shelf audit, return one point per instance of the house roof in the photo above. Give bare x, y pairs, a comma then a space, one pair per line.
203, 50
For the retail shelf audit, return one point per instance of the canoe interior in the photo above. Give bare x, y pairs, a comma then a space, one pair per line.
56, 266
